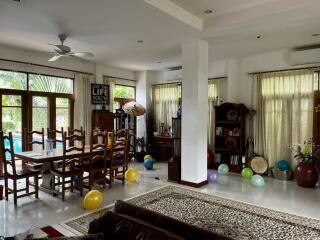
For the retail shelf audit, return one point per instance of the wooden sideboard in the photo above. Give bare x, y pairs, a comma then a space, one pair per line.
162, 148
102, 119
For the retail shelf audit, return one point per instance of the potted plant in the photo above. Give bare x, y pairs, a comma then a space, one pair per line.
306, 172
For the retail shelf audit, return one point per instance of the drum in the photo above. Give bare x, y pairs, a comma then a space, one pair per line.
258, 164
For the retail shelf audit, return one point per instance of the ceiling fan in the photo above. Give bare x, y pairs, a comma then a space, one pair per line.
61, 50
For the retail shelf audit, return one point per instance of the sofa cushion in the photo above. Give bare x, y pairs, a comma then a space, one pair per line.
115, 226
175, 226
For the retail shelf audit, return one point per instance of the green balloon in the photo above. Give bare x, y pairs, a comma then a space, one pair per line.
247, 173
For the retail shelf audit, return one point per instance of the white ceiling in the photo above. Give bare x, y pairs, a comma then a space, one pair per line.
110, 28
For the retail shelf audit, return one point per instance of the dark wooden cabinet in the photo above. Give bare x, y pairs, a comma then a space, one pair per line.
230, 127
174, 165
102, 119
162, 148
126, 121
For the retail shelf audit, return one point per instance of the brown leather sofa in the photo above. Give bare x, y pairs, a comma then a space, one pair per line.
130, 222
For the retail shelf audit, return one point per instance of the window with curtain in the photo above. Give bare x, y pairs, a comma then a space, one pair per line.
284, 104
165, 98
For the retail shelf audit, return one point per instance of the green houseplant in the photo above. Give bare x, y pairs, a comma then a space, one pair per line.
306, 172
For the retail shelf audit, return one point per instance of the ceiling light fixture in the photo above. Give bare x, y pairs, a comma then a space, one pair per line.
208, 11
140, 41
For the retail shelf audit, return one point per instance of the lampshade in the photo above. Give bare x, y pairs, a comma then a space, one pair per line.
133, 108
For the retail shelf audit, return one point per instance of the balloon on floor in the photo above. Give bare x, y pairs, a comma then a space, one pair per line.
147, 157
148, 164
92, 200
213, 176
284, 165
132, 174
247, 173
223, 169
257, 180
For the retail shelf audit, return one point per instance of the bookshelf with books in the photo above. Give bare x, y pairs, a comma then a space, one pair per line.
229, 135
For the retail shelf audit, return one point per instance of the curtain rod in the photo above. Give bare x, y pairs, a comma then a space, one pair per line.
107, 76
285, 70
40, 65
158, 84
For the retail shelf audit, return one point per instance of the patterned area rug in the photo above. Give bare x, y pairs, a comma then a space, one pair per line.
230, 218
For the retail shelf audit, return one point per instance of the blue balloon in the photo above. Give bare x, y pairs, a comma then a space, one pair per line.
148, 164
223, 169
257, 181
284, 165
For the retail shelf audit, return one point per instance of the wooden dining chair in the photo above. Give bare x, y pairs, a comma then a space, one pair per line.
117, 157
52, 134
71, 175
95, 165
10, 172
31, 142
75, 131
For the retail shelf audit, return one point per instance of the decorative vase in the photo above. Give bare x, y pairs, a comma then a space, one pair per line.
306, 175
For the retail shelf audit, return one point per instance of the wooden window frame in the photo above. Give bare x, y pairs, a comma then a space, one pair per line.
26, 106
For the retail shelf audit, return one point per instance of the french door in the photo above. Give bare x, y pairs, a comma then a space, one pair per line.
13, 118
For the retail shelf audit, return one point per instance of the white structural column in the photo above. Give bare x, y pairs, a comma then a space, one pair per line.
194, 111
234, 76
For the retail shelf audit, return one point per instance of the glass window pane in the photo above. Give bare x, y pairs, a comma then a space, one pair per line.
11, 100
124, 92
13, 80
39, 113
42, 83
62, 113
11, 120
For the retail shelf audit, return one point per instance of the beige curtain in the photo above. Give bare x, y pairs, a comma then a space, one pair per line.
214, 92
111, 82
165, 100
82, 103
284, 104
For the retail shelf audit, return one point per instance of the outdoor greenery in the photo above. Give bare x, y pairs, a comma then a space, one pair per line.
42, 83
12, 112
13, 80
124, 92
39, 112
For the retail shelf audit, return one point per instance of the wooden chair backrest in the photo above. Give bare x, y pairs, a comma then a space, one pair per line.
52, 134
29, 139
120, 143
79, 147
8, 162
75, 131
102, 147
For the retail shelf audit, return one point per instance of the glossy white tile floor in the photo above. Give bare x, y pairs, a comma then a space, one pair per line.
49, 210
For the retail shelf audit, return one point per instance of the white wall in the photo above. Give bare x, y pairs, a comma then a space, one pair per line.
145, 79
42, 59
102, 70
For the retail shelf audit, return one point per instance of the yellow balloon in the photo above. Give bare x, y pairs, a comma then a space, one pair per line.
132, 174
92, 200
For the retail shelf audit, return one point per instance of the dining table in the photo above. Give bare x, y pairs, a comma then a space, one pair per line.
46, 159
